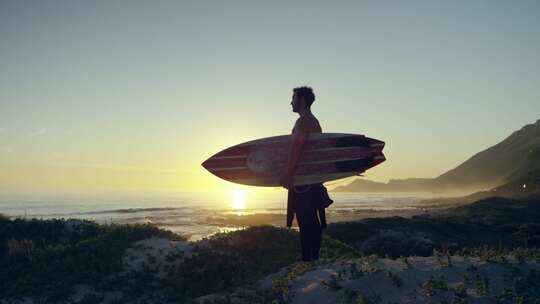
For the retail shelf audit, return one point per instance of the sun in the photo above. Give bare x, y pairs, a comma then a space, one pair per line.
239, 199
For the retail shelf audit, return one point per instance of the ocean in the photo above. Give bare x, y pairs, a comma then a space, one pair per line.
192, 214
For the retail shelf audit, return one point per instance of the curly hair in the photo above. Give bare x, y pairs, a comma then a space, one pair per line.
306, 92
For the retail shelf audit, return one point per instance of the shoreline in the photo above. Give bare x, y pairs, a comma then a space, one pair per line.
224, 220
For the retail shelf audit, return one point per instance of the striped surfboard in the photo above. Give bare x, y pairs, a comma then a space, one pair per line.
325, 157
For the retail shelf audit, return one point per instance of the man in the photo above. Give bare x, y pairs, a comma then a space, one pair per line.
304, 201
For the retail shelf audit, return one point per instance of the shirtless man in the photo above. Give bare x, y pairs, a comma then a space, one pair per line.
307, 123
304, 200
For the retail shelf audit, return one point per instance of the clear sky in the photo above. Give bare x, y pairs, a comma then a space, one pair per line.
134, 95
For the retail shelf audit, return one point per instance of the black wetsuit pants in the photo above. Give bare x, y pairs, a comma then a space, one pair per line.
310, 234
308, 223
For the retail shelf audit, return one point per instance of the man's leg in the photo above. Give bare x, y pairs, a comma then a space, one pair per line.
316, 245
315, 234
311, 233
307, 220
305, 236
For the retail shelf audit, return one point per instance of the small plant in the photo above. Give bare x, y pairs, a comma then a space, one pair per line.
443, 257
374, 299
396, 280
371, 258
522, 254
460, 291
434, 284
280, 290
372, 269
21, 248
341, 274
506, 296
333, 283
367, 264
439, 255
459, 301
492, 255
482, 285
407, 263
280, 286
354, 272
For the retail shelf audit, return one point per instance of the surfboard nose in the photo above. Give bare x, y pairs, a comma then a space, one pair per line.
205, 164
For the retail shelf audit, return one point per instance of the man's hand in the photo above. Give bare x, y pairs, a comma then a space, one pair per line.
286, 180
297, 144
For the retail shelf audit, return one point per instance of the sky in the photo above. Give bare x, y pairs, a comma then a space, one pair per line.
135, 95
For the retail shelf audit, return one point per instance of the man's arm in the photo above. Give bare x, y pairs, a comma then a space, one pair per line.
295, 151
297, 145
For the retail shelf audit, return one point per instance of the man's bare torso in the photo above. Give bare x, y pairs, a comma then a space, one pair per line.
307, 124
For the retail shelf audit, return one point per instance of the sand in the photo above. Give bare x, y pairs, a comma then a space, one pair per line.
378, 280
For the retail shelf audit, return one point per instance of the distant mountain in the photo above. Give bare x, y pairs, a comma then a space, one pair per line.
394, 185
513, 158
524, 187
510, 159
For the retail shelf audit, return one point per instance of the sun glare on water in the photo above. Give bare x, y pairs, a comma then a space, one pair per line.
239, 199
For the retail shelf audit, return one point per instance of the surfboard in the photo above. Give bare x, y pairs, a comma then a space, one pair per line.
325, 157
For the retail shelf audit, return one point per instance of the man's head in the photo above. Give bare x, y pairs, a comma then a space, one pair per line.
302, 98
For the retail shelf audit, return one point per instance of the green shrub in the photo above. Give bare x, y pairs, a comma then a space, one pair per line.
230, 260
41, 259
